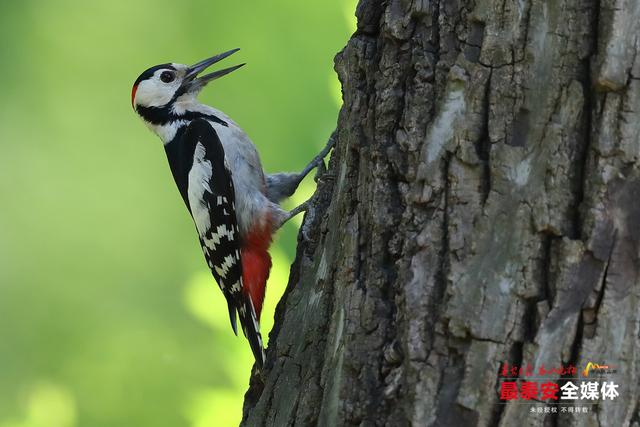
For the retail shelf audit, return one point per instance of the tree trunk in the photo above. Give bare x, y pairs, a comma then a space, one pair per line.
481, 207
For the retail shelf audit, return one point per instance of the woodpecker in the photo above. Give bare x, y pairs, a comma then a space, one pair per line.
233, 202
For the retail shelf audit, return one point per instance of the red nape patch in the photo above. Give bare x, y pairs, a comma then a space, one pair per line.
133, 95
256, 264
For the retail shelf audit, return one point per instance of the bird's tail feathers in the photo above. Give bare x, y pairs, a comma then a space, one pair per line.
232, 316
251, 329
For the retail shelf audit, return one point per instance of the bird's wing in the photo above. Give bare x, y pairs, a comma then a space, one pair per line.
211, 198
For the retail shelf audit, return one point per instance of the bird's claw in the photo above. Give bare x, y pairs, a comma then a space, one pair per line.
320, 170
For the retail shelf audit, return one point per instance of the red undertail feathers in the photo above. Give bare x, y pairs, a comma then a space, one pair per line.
256, 264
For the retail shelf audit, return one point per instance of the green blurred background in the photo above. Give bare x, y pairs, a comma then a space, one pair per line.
108, 315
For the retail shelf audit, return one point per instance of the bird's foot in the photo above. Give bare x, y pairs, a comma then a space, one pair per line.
295, 211
318, 161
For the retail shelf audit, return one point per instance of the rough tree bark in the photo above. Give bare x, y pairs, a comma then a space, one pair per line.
481, 206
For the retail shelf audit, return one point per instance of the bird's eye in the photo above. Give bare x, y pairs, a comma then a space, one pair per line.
167, 76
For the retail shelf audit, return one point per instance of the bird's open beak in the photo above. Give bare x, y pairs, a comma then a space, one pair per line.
196, 83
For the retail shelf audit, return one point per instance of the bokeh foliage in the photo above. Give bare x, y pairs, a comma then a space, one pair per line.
108, 316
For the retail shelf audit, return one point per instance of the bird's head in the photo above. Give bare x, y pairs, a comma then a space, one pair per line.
161, 86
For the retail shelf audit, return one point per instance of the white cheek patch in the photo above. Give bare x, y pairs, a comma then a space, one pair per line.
153, 92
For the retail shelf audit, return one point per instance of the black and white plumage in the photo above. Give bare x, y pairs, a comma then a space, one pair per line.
198, 165
217, 170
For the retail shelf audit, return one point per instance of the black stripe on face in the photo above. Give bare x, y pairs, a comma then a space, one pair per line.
163, 115
151, 71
